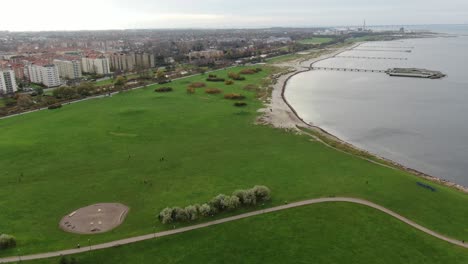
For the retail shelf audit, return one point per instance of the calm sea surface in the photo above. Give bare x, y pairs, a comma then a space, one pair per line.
419, 123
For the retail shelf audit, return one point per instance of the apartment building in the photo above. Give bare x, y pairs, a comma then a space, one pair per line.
96, 64
47, 75
69, 69
7, 82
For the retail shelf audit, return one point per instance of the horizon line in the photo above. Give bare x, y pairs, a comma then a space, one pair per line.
231, 28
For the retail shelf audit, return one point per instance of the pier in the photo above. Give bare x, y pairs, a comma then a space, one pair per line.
387, 47
385, 50
347, 69
370, 58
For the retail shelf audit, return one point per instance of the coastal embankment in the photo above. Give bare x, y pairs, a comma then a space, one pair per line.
281, 114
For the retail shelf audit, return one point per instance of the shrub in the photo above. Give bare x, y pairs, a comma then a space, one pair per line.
250, 198
166, 216
213, 91
234, 96
262, 193
248, 71
163, 90
232, 202
229, 82
236, 76
206, 210
218, 204
197, 85
240, 104
190, 90
180, 215
212, 76
7, 241
215, 80
55, 106
65, 93
258, 69
192, 212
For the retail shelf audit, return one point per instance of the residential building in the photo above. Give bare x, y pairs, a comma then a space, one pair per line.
7, 82
50, 75
122, 62
210, 54
69, 69
96, 64
131, 61
47, 75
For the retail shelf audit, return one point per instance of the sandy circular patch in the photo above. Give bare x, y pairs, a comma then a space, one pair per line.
94, 219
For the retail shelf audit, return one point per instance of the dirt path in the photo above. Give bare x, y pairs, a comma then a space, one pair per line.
234, 218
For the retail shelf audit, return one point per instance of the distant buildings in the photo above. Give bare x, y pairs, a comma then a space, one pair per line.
131, 61
210, 54
96, 64
48, 75
69, 69
7, 82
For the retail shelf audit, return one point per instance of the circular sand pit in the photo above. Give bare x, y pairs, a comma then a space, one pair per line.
94, 219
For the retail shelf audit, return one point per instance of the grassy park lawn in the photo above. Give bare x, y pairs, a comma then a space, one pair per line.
313, 41
109, 150
104, 82
283, 58
324, 233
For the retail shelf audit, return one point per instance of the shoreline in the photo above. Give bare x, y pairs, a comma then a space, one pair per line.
280, 110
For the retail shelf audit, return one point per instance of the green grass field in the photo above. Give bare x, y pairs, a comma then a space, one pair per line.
104, 82
314, 41
325, 233
104, 150
283, 58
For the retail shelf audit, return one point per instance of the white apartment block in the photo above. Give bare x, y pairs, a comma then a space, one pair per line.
47, 74
99, 65
69, 69
7, 82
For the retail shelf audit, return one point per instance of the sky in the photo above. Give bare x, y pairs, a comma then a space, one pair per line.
36, 15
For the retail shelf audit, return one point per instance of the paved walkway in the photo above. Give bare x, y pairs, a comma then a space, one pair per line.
230, 219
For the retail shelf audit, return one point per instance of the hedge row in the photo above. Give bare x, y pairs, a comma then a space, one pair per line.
217, 205
215, 79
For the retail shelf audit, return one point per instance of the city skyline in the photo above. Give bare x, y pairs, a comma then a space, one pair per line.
52, 15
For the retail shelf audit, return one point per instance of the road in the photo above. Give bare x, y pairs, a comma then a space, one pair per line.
234, 218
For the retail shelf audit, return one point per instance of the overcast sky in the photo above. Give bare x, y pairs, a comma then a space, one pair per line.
36, 15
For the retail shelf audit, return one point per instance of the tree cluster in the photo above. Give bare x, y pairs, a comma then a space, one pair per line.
218, 204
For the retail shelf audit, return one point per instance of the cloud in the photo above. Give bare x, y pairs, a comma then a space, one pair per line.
120, 14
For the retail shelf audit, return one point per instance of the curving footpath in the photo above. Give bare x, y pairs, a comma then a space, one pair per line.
230, 219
